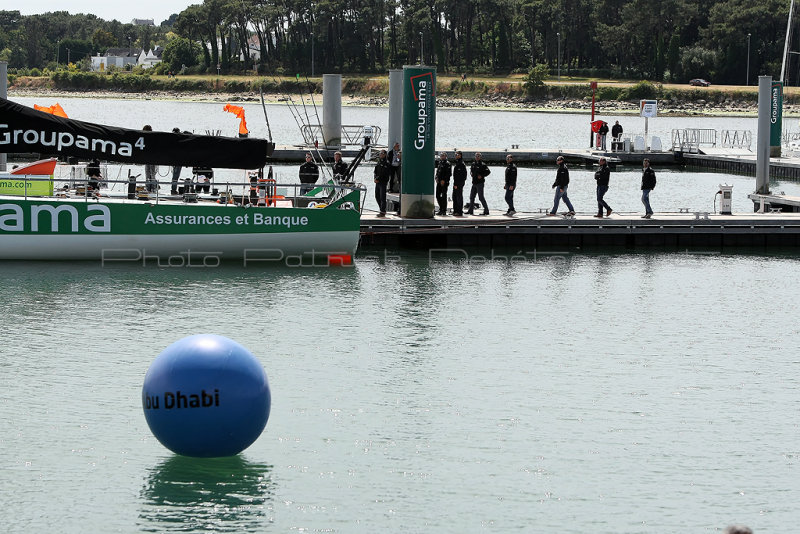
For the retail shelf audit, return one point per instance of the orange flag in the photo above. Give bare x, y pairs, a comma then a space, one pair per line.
56, 110
239, 112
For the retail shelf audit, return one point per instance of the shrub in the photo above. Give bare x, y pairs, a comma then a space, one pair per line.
534, 81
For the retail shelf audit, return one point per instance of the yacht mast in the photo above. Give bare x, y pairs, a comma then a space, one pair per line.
786, 44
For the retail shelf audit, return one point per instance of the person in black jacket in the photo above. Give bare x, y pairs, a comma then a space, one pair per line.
396, 164
616, 131
603, 134
459, 179
339, 167
560, 185
382, 172
443, 172
309, 174
479, 171
602, 176
648, 184
511, 183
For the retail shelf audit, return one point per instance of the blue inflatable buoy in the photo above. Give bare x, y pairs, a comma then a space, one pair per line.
206, 396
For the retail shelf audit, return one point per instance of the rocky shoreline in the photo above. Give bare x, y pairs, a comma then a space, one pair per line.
666, 107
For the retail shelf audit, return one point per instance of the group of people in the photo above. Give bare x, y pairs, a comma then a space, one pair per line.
479, 171
616, 133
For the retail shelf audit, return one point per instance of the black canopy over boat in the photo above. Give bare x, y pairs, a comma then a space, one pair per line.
24, 130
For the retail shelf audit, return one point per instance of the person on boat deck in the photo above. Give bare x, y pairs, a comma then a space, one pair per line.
150, 170
382, 172
202, 178
309, 174
459, 179
560, 185
603, 134
176, 171
616, 131
394, 158
339, 167
479, 171
443, 173
93, 172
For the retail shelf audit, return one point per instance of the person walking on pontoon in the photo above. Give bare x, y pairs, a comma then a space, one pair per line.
479, 172
648, 184
560, 185
602, 177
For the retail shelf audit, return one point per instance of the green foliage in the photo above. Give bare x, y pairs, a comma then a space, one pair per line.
630, 39
534, 81
179, 52
642, 90
697, 62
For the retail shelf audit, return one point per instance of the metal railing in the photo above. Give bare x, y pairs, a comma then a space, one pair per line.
352, 134
302, 195
737, 139
691, 139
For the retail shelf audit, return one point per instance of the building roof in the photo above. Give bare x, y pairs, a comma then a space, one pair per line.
123, 52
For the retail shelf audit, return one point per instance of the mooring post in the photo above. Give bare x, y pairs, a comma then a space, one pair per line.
395, 107
332, 110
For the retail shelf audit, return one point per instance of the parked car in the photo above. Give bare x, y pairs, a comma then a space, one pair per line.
699, 82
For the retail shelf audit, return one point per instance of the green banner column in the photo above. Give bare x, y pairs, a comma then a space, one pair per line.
775, 119
418, 144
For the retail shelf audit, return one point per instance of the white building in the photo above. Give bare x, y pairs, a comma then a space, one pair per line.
151, 58
116, 57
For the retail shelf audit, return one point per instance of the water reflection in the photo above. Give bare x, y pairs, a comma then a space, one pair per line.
217, 494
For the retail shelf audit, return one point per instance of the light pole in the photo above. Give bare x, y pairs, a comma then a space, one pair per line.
58, 52
420, 49
558, 38
312, 50
747, 80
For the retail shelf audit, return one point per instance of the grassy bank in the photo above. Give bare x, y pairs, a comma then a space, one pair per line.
509, 88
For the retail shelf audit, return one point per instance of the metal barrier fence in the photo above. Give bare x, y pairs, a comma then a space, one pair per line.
352, 134
690, 139
737, 139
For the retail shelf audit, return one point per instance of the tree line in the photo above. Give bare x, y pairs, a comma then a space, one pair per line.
657, 40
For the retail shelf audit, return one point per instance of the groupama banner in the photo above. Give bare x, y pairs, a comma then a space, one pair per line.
775, 118
418, 145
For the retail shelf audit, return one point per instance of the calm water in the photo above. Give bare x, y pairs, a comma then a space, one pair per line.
570, 393
574, 393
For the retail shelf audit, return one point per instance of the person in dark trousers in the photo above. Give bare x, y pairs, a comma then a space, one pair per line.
479, 171
150, 170
616, 131
560, 185
443, 173
309, 174
511, 184
202, 178
648, 184
176, 171
603, 131
339, 167
383, 170
602, 176
93, 172
396, 165
459, 179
